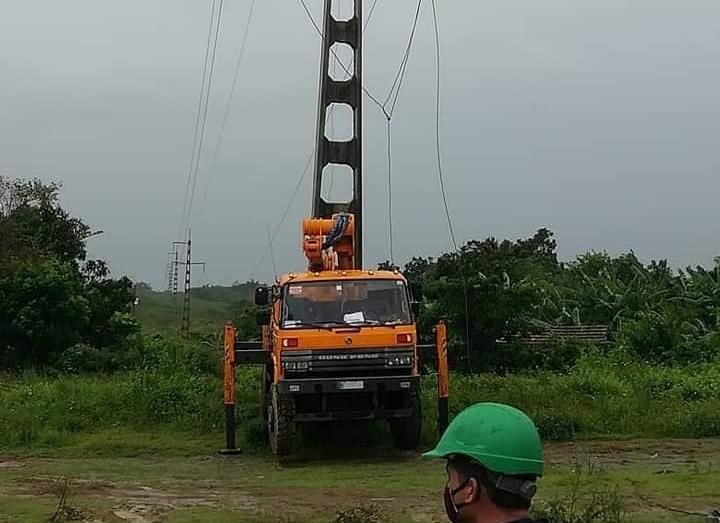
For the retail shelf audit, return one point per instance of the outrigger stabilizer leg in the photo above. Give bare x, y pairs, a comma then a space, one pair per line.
229, 392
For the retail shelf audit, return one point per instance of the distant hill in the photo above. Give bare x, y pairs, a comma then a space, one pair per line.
211, 307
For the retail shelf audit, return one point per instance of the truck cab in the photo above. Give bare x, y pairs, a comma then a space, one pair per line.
343, 346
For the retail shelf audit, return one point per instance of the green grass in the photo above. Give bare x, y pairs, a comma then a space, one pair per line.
181, 395
13, 509
162, 312
202, 486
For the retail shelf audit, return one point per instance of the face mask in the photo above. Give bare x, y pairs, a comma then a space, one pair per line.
451, 508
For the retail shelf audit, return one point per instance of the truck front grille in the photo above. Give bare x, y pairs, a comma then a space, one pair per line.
348, 362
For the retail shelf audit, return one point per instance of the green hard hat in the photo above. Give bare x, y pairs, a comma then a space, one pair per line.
501, 438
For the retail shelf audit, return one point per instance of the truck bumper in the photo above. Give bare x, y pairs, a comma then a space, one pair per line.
361, 398
349, 385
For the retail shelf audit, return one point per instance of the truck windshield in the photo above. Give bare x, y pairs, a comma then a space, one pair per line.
343, 302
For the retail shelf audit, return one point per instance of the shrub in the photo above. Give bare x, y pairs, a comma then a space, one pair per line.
584, 502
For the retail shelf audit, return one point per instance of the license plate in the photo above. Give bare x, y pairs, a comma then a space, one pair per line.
351, 385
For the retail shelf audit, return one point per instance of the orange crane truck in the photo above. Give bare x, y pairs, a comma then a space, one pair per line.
339, 342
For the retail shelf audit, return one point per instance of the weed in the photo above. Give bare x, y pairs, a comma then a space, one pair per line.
64, 512
360, 515
584, 502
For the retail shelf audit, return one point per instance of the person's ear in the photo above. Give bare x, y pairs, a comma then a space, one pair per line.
471, 492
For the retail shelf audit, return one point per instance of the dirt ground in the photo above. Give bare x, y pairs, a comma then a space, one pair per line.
655, 478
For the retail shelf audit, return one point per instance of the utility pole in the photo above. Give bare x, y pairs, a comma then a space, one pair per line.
346, 92
188, 263
175, 263
170, 270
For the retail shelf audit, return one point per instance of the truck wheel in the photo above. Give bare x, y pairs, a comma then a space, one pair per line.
281, 427
406, 432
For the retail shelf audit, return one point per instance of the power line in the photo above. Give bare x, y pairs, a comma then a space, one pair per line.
400, 75
436, 26
451, 228
272, 254
197, 118
284, 216
205, 111
345, 68
395, 88
228, 105
303, 174
370, 14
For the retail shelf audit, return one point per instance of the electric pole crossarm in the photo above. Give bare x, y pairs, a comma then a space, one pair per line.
193, 264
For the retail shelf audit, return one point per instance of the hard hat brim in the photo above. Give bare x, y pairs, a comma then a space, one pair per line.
434, 454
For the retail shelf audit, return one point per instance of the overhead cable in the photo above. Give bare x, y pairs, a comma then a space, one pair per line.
438, 148
303, 174
203, 126
197, 119
228, 104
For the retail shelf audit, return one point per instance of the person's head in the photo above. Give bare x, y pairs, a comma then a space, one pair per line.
494, 456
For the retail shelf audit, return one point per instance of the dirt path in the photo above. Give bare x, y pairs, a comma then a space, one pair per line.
662, 453
157, 489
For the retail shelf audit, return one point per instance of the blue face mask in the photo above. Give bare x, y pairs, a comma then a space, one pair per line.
452, 509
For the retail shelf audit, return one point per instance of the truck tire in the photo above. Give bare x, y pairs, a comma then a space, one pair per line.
281, 427
406, 432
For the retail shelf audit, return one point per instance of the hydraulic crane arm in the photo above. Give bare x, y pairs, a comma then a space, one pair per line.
330, 244
329, 151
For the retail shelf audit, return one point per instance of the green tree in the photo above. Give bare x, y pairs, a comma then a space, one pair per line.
42, 310
50, 297
33, 225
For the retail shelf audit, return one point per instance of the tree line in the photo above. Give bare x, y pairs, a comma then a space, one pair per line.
60, 309
491, 290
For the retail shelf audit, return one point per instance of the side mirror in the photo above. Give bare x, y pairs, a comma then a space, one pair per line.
415, 306
262, 296
416, 290
262, 317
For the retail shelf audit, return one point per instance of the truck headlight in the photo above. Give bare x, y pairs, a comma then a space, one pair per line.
293, 366
400, 361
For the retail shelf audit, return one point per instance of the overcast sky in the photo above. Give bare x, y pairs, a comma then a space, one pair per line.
599, 119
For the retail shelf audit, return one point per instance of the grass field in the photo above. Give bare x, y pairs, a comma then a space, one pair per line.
190, 482
140, 445
161, 312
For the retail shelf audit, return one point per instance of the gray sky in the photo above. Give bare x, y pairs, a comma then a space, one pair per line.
599, 119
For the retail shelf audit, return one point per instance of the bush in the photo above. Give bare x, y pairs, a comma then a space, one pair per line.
557, 426
176, 388
596, 506
556, 355
82, 358
584, 502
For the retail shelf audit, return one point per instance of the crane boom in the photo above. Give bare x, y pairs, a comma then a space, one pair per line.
348, 92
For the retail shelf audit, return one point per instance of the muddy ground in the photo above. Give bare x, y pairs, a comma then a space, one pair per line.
654, 478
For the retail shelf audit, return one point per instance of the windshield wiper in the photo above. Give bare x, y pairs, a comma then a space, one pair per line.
318, 325
376, 323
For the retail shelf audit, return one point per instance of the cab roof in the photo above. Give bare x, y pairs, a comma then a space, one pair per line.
340, 275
